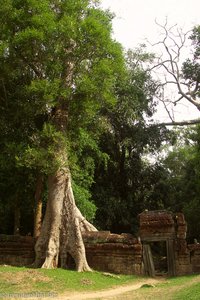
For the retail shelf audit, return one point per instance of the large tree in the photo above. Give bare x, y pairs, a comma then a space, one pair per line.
59, 66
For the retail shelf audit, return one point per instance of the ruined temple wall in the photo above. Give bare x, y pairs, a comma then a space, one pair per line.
118, 253
195, 257
183, 258
16, 250
182, 253
114, 253
105, 252
156, 225
165, 226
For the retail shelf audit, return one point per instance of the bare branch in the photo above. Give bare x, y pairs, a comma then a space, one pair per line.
179, 99
181, 123
194, 92
167, 110
173, 42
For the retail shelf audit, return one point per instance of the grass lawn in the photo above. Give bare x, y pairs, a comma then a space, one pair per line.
26, 280
177, 288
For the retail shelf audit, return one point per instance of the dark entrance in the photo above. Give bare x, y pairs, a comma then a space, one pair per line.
159, 255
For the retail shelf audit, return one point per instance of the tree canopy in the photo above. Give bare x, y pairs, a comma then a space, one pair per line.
40, 45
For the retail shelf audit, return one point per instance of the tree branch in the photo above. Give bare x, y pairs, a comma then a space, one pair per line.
173, 43
181, 123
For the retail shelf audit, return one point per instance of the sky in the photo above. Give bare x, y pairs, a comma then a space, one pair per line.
135, 19
134, 24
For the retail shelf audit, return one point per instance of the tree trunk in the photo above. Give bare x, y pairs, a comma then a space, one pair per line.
17, 216
63, 222
62, 226
38, 207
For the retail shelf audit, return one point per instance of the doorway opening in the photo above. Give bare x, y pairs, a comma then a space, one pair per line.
159, 256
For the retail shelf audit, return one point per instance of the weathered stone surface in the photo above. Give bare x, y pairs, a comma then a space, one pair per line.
158, 224
16, 250
194, 247
180, 219
181, 231
183, 260
181, 247
183, 269
107, 237
96, 236
114, 253
156, 218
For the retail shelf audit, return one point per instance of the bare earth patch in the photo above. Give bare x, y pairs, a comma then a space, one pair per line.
115, 291
29, 276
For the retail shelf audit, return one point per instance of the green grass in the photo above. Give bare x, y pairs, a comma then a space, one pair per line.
177, 288
191, 293
26, 280
19, 280
190, 289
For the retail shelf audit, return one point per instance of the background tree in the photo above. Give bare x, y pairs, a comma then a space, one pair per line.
123, 187
181, 170
182, 166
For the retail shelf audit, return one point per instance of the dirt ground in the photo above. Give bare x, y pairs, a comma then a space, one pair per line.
99, 295
109, 293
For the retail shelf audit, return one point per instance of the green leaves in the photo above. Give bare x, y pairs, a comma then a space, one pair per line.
181, 167
67, 89
43, 151
43, 93
84, 202
191, 67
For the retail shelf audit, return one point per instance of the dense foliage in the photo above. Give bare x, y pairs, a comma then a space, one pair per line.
125, 186
109, 99
180, 174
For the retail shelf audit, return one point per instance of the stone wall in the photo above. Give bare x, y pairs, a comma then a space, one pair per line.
105, 252
156, 225
16, 250
167, 226
114, 253
195, 257
182, 252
